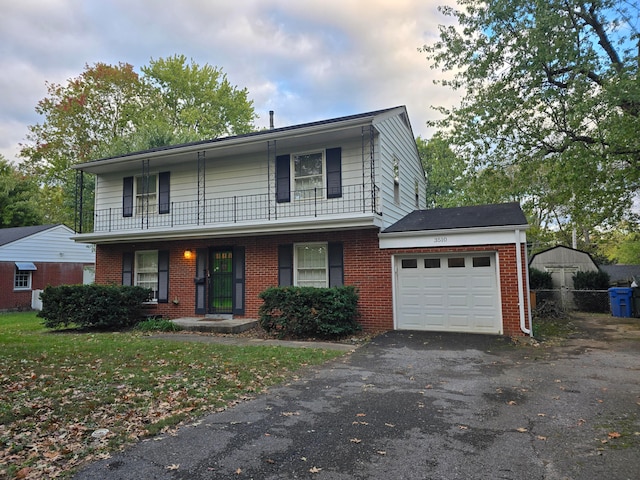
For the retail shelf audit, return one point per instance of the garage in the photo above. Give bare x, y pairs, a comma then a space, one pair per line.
449, 293
460, 269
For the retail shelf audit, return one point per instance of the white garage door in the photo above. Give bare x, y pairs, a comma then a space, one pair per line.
457, 293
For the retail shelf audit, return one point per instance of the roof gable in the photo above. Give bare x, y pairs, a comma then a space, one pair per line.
8, 235
478, 216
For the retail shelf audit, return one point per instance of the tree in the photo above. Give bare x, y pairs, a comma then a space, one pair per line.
550, 91
19, 206
444, 171
199, 102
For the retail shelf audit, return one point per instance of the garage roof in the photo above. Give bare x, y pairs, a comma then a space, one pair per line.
497, 215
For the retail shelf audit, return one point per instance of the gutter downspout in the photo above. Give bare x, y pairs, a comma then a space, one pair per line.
523, 319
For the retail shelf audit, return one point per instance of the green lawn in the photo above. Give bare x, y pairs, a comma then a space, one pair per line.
58, 388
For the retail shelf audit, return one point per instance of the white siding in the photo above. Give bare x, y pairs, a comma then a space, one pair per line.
53, 246
396, 140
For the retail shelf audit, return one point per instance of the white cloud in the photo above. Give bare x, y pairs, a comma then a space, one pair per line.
306, 60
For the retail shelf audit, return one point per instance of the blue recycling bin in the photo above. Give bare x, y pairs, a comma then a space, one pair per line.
621, 300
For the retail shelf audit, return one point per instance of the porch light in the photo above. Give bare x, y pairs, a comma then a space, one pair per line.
188, 254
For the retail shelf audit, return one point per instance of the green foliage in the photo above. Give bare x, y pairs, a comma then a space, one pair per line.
19, 206
591, 280
303, 312
157, 325
591, 301
551, 99
539, 280
443, 169
92, 306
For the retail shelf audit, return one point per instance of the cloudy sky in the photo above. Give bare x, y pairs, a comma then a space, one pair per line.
306, 60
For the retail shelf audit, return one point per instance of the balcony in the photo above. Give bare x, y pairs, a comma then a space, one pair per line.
355, 199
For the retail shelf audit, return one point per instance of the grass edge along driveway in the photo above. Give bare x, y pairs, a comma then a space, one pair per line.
67, 398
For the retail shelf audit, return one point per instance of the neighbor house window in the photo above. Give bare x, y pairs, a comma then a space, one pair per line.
308, 175
310, 265
22, 279
146, 272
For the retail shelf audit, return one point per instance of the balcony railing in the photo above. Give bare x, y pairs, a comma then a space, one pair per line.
235, 209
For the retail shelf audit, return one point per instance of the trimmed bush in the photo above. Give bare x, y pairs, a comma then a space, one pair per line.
539, 280
591, 301
308, 312
92, 306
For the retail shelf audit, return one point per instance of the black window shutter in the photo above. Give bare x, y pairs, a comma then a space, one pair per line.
238, 280
163, 192
283, 178
285, 265
127, 268
163, 276
336, 264
127, 197
334, 172
201, 281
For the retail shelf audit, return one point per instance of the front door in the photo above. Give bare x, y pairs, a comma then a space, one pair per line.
221, 281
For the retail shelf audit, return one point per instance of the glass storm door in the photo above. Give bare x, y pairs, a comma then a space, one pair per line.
221, 282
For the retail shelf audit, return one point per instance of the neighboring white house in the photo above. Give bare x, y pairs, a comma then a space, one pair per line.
33, 257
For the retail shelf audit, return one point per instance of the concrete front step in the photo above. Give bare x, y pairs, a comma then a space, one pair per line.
222, 325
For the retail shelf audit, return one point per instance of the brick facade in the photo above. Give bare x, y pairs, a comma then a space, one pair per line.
365, 266
46, 274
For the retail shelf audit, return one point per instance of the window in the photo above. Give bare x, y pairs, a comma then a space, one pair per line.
409, 263
431, 263
481, 261
417, 194
146, 272
308, 176
396, 181
22, 279
149, 194
310, 265
455, 262
146, 195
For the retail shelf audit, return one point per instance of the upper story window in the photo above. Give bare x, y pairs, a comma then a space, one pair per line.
396, 180
308, 175
150, 194
146, 198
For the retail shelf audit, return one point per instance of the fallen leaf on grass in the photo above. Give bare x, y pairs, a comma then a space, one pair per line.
512, 402
381, 452
173, 466
355, 440
390, 425
314, 470
522, 430
614, 435
361, 414
463, 427
540, 437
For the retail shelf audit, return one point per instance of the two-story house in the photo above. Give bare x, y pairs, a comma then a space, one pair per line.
209, 225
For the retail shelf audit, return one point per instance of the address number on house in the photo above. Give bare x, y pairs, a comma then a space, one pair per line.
440, 240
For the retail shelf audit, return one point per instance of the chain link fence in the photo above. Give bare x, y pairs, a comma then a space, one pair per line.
567, 300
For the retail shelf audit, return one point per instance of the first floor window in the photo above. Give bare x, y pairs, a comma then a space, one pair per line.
310, 265
22, 279
146, 272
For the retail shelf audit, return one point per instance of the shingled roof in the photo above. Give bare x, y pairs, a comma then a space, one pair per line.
8, 235
496, 215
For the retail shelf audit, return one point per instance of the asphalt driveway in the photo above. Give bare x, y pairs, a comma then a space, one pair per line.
424, 406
